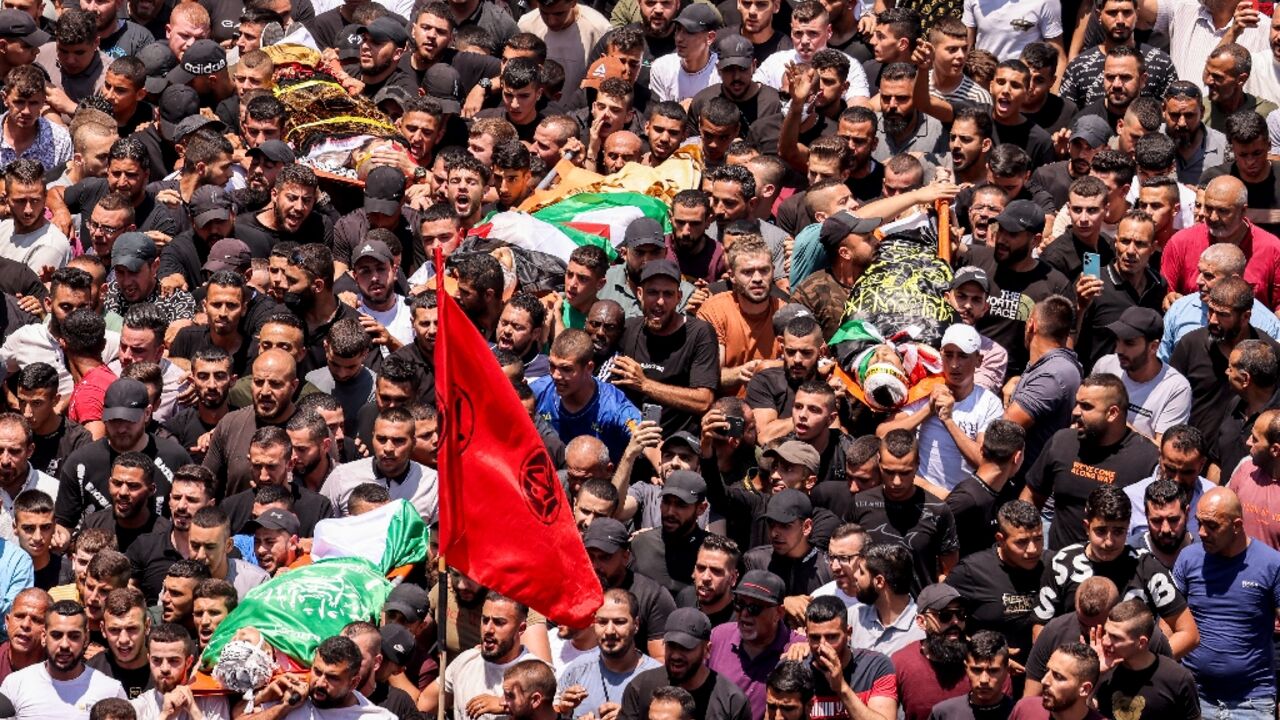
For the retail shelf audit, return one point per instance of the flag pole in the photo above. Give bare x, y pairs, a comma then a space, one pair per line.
442, 568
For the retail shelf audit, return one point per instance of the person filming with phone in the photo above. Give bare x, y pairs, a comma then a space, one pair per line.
1105, 291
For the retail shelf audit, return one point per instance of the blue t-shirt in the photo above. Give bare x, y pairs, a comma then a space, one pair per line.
602, 684
608, 416
1233, 601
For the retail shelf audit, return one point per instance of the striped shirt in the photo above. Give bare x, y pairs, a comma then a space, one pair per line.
967, 92
1192, 36
1082, 81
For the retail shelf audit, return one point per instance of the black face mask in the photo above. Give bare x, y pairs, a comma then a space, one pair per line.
299, 303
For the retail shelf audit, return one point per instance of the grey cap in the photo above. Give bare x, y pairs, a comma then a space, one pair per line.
193, 123
797, 452
644, 231
375, 249
274, 519
273, 150
971, 274
385, 29
209, 203
133, 250
786, 314
384, 190
348, 42
177, 103
18, 25
1092, 129
686, 486
936, 596
158, 59
687, 627
410, 601
736, 51
699, 17
228, 254
685, 438
125, 399
606, 534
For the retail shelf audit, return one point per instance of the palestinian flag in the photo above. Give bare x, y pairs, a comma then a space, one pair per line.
584, 219
391, 536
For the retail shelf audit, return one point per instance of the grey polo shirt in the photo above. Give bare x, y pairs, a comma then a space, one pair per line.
617, 289
1047, 392
868, 632
1212, 152
928, 139
418, 487
244, 576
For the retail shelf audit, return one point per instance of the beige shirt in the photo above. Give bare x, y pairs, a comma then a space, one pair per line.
570, 46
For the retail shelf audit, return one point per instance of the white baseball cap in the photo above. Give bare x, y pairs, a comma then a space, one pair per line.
962, 336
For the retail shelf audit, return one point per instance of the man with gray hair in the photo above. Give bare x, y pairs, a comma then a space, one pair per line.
1225, 77
1190, 312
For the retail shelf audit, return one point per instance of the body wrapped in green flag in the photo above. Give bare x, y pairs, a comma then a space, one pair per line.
298, 610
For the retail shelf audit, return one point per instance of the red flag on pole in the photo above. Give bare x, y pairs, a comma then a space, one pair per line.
504, 519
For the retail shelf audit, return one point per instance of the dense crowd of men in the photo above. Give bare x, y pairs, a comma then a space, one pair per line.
211, 343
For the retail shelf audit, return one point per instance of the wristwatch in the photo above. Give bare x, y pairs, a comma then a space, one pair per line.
420, 174
485, 83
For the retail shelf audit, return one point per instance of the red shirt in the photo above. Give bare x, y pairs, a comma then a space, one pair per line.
920, 687
87, 397
1032, 708
1262, 249
1260, 501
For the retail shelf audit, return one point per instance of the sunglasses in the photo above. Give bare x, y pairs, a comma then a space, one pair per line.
749, 609
1183, 91
949, 616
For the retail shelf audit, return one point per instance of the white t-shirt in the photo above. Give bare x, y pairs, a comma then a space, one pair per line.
772, 69
1004, 28
1155, 405
563, 652
44, 246
362, 710
1264, 81
36, 696
148, 705
398, 320
669, 81
940, 460
471, 675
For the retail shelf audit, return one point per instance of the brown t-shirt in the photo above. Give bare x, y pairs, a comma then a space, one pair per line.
744, 338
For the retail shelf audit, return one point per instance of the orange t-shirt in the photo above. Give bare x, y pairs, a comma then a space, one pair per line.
744, 338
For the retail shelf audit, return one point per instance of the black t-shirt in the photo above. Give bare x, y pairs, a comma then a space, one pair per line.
472, 67
162, 152
1098, 108
224, 18
998, 596
149, 215
654, 604
974, 506
350, 230
870, 186
1028, 136
150, 557
524, 132
185, 255
666, 558
187, 427
1067, 629
716, 699
772, 388
1056, 180
1263, 196
128, 39
48, 576
764, 102
801, 576
960, 708
1066, 254
1007, 313
58, 445
1163, 689
106, 520
1135, 574
688, 597
765, 131
1054, 115
1202, 362
260, 238
194, 338
142, 114
923, 525
82, 479
135, 681
687, 358
326, 26
310, 507
395, 700
1069, 470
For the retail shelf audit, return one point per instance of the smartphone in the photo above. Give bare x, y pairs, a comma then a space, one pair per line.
736, 426
1092, 265
1266, 8
651, 413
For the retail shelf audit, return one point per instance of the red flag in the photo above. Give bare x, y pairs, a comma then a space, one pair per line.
504, 519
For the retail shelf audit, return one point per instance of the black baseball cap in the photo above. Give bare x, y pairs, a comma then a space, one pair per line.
208, 204
699, 17
177, 103
686, 486
384, 190
762, 585
661, 267
687, 627
972, 274
410, 601
838, 226
1021, 216
644, 231
685, 438
204, 57
125, 399
935, 597
384, 30
274, 519
348, 42
273, 150
736, 51
18, 25
193, 123
398, 643
606, 534
789, 506
392, 93
158, 59
133, 250
443, 85
1138, 322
